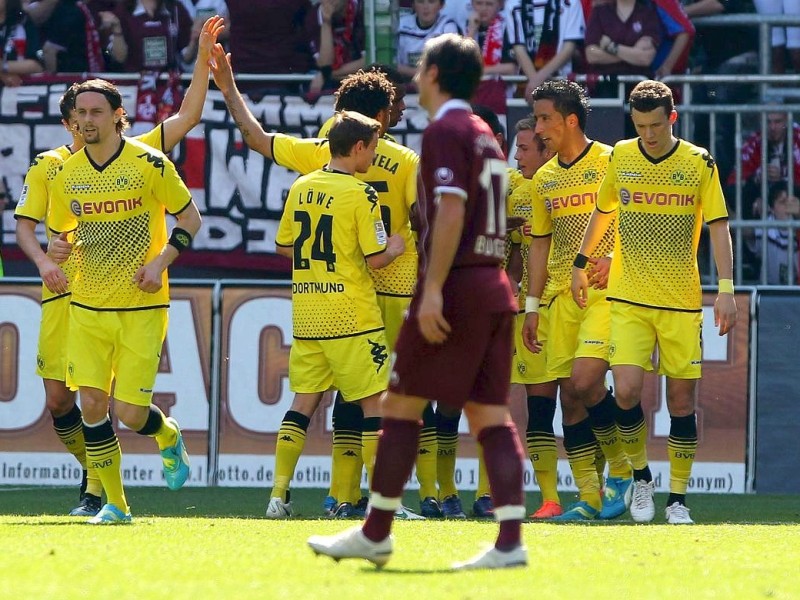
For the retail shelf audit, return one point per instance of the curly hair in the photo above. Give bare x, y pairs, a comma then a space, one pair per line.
568, 98
367, 92
649, 95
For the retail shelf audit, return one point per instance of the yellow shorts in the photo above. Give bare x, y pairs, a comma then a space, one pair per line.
124, 346
358, 366
636, 331
51, 358
577, 333
393, 312
526, 367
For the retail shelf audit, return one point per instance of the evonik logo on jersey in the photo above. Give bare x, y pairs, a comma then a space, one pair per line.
105, 207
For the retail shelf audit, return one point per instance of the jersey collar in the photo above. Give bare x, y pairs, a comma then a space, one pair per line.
452, 104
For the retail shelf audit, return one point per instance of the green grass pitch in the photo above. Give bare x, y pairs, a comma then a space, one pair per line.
212, 543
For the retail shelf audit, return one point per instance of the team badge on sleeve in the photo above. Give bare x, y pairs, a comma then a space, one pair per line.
380, 232
444, 175
23, 196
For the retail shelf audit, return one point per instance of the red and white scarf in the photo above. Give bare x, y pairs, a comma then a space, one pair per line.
94, 55
492, 49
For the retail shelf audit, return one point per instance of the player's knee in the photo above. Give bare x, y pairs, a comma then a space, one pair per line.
59, 402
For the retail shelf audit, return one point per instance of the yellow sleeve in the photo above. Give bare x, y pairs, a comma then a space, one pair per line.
153, 138
301, 155
170, 189
33, 198
607, 197
369, 224
60, 217
410, 192
284, 236
712, 199
541, 222
326, 127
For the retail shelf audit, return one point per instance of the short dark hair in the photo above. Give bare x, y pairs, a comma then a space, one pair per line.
367, 92
349, 128
67, 102
775, 190
112, 94
459, 63
568, 98
490, 118
529, 124
648, 95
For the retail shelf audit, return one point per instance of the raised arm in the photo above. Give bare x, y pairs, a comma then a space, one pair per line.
252, 133
188, 116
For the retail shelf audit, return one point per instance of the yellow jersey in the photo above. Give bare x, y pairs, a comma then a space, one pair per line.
326, 127
563, 198
518, 204
35, 199
117, 212
332, 221
660, 204
393, 175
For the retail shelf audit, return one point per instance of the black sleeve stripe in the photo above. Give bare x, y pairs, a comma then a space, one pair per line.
375, 253
605, 212
27, 217
715, 220
284, 245
185, 206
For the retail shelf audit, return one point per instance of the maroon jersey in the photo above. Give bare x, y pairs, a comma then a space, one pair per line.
643, 22
154, 41
461, 156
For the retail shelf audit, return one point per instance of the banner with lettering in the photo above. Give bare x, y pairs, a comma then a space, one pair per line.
240, 193
243, 366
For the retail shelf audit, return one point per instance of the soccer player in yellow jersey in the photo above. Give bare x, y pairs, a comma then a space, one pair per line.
563, 196
332, 229
32, 209
111, 198
393, 174
528, 368
660, 189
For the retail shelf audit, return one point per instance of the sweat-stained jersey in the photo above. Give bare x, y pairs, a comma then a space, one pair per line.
661, 204
564, 197
34, 198
117, 211
332, 221
393, 175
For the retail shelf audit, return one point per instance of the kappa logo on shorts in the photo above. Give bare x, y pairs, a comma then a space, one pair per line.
379, 354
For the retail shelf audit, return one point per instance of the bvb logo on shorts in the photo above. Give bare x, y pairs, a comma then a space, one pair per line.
71, 369
521, 367
612, 350
40, 361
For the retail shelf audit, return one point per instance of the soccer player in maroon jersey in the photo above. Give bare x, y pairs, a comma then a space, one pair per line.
462, 314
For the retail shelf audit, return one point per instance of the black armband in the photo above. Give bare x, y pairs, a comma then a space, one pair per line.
580, 261
180, 239
327, 73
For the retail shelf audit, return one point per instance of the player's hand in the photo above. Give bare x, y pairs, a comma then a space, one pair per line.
598, 277
580, 286
148, 277
513, 222
53, 277
725, 312
208, 37
59, 247
395, 245
432, 324
220, 66
530, 336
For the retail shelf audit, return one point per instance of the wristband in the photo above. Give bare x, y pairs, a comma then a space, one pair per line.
580, 261
612, 48
725, 286
531, 304
327, 73
180, 239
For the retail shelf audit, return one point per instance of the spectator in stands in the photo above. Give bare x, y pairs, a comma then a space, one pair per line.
148, 35
783, 38
777, 167
200, 11
622, 38
562, 27
672, 56
781, 243
427, 21
269, 37
337, 36
69, 36
19, 44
